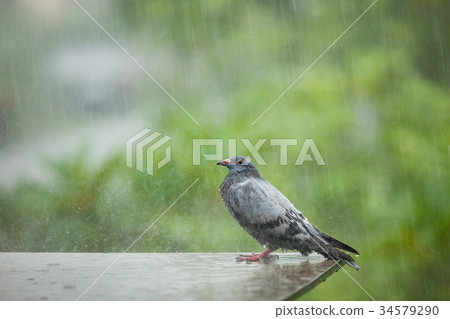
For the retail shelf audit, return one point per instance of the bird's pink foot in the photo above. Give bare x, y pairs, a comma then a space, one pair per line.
265, 255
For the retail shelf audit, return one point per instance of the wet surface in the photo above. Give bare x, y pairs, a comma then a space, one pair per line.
156, 276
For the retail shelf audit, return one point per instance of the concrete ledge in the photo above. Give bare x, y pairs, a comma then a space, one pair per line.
158, 276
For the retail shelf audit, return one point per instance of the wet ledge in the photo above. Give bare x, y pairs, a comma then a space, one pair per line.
158, 276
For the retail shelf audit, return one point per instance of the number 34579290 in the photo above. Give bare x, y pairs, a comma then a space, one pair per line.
409, 310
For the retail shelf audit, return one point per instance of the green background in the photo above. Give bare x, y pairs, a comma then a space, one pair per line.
376, 105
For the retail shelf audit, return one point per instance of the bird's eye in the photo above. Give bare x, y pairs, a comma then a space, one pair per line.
240, 162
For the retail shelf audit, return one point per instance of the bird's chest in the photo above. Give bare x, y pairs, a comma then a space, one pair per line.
240, 201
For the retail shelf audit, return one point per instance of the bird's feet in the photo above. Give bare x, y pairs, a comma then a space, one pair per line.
264, 256
256, 257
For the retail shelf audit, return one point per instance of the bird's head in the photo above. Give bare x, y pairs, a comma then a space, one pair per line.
238, 164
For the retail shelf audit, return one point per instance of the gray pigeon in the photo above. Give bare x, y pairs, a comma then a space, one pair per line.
269, 217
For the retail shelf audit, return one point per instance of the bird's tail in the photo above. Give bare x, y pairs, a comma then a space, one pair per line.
331, 250
336, 243
347, 259
336, 254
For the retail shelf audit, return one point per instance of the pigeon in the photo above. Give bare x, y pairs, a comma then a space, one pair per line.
270, 218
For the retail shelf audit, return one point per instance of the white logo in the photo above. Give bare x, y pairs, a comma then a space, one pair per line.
141, 145
281, 143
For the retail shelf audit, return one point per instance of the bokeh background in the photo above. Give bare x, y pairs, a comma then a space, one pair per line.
376, 105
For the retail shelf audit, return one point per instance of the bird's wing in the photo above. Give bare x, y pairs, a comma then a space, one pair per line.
258, 204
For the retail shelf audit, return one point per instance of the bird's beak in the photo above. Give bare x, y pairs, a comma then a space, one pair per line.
224, 162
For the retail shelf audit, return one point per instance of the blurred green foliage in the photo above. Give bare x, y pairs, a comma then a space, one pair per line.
376, 105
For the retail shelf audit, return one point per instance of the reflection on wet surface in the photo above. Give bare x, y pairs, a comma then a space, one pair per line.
154, 276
